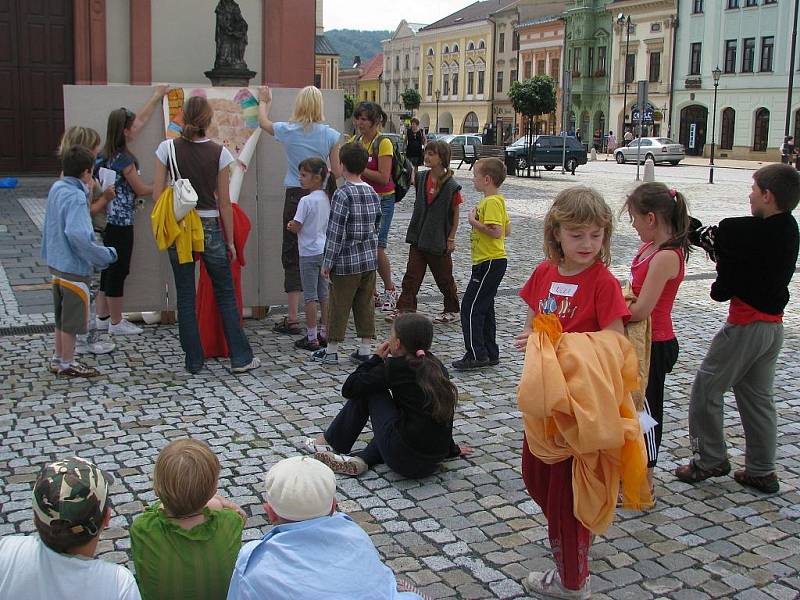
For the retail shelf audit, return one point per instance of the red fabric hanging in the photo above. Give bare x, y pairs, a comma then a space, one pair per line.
212, 335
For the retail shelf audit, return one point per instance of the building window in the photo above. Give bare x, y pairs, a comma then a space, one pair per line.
767, 51
728, 122
733, 3
554, 68
730, 56
455, 84
748, 54
601, 59
751, 3
499, 81
540, 67
445, 84
470, 83
576, 62
397, 63
697, 7
407, 61
590, 62
318, 80
373, 96
770, 1
429, 87
528, 69
515, 41
630, 67
695, 53
761, 130
514, 76
430, 51
481, 45
501, 42
655, 67
470, 46
481, 82
365, 97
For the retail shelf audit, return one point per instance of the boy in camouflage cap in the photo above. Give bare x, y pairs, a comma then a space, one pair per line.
70, 509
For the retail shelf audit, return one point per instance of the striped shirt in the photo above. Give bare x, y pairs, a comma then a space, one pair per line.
352, 237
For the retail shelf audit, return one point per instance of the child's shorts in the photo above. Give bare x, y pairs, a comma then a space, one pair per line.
71, 300
315, 286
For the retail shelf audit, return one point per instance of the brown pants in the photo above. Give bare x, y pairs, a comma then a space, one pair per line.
441, 267
356, 292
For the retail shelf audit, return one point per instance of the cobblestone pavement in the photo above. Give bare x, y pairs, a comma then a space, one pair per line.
469, 531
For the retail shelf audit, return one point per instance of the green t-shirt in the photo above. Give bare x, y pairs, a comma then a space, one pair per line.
196, 563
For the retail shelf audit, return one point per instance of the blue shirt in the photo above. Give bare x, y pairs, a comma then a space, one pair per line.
301, 142
68, 242
328, 558
120, 209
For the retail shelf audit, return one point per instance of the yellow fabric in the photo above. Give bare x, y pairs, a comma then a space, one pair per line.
491, 211
187, 235
384, 149
575, 399
640, 335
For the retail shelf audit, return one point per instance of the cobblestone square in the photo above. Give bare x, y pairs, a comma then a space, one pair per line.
469, 531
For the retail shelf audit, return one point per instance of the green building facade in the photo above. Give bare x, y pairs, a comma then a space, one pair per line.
588, 61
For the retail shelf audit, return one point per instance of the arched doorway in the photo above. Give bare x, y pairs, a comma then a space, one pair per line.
586, 123
694, 120
761, 130
471, 124
445, 123
728, 122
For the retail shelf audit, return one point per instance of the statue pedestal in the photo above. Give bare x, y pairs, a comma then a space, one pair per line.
230, 77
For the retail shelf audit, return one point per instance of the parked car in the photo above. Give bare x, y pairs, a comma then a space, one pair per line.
658, 148
466, 141
548, 152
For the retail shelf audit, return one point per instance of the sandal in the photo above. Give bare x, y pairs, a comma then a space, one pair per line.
287, 327
691, 473
341, 463
447, 317
763, 483
311, 445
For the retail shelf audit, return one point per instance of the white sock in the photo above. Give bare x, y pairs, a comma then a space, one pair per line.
366, 347
312, 334
64, 365
333, 347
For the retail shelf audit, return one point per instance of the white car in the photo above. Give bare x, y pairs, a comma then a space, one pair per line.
658, 148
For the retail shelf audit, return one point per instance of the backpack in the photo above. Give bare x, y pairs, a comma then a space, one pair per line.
402, 169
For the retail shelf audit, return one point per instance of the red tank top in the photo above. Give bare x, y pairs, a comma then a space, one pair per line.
661, 317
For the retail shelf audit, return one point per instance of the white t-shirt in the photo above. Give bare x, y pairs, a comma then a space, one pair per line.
31, 570
162, 153
313, 212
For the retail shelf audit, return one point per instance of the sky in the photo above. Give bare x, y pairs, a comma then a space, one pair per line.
385, 14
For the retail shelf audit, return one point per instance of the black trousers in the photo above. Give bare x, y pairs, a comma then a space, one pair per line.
387, 445
663, 356
478, 321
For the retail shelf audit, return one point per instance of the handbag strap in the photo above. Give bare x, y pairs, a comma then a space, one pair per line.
173, 161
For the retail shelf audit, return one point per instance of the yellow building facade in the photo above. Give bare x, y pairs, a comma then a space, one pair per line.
369, 84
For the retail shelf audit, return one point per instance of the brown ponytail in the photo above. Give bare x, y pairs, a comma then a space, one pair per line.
669, 205
197, 115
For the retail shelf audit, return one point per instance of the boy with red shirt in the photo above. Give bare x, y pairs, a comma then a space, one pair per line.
756, 258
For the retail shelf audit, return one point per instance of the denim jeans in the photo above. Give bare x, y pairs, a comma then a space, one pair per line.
387, 213
215, 257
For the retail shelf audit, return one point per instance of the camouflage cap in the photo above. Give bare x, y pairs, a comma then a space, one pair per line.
72, 490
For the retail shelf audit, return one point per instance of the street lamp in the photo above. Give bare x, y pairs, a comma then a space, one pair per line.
438, 94
623, 19
717, 73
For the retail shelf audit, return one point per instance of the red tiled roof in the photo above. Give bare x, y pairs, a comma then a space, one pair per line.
373, 69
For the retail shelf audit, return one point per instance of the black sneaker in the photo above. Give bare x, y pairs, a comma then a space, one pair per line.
359, 358
494, 361
468, 363
305, 344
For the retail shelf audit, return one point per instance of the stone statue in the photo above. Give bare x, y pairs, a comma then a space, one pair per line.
230, 36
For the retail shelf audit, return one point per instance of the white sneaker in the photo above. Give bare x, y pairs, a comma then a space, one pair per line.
548, 584
84, 346
124, 327
390, 298
253, 364
102, 324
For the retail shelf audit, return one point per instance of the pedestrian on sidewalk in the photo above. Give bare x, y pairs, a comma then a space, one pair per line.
756, 258
787, 149
612, 144
432, 234
69, 248
303, 136
415, 143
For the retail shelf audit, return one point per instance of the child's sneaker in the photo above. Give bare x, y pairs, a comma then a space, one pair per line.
341, 463
390, 298
77, 370
88, 343
124, 327
549, 584
304, 343
55, 365
359, 358
102, 324
326, 358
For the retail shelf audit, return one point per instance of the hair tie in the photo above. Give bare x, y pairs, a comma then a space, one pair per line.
420, 353
673, 193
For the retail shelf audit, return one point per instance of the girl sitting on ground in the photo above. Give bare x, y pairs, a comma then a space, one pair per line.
406, 393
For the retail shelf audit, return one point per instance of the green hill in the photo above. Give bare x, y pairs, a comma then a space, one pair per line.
350, 43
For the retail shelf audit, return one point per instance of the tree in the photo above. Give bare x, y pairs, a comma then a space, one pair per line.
411, 99
533, 97
349, 106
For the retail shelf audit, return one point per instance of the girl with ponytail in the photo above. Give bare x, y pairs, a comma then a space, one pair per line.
660, 216
406, 393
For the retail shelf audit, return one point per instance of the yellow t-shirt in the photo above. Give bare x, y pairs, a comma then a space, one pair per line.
491, 211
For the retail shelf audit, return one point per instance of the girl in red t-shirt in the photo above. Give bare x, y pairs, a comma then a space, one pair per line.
575, 284
661, 218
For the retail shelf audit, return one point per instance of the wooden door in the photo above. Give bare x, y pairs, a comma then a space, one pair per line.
36, 60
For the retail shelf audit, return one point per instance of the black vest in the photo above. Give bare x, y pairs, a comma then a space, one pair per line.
431, 223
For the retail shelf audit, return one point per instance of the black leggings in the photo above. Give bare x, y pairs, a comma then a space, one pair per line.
663, 356
112, 279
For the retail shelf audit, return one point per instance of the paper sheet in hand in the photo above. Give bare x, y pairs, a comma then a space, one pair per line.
107, 178
646, 422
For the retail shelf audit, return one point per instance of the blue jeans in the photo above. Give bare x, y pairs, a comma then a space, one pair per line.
387, 212
215, 257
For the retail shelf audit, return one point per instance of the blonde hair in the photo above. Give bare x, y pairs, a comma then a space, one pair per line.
574, 207
308, 106
185, 477
78, 136
493, 167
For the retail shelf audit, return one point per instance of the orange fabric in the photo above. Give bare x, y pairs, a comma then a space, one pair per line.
575, 399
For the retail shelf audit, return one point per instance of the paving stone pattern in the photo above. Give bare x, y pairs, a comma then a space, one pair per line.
470, 530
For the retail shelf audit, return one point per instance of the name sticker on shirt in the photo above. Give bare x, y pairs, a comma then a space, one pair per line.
563, 289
